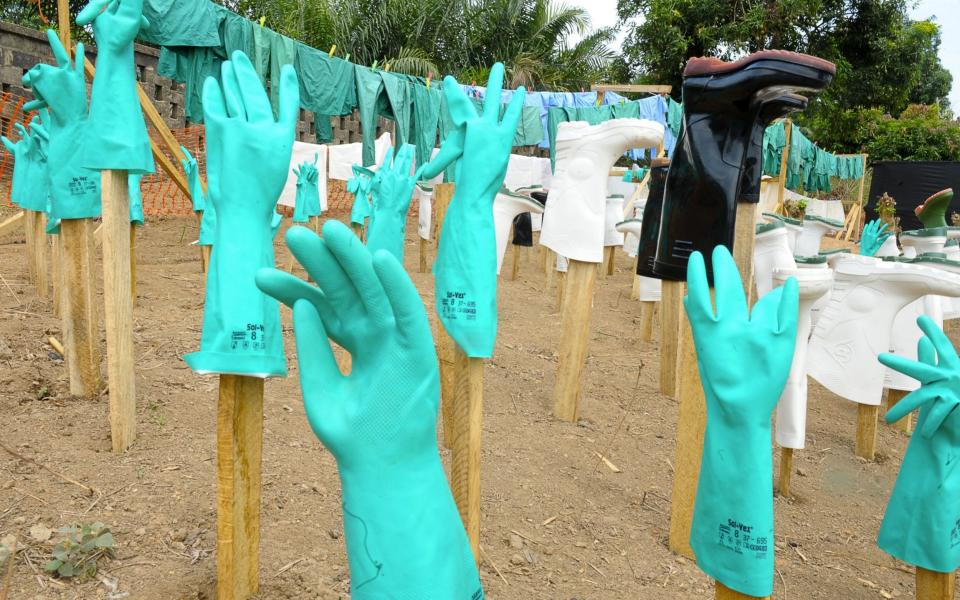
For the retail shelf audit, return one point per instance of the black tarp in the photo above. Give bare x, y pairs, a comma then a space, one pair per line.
910, 183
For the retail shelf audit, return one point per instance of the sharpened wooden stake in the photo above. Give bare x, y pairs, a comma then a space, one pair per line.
37, 250
12, 224
932, 585
118, 308
81, 328
575, 313
867, 416
467, 430
239, 463
786, 471
725, 593
904, 425
671, 312
647, 309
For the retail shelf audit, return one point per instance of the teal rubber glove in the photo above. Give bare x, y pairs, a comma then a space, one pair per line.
136, 199
922, 522
307, 202
75, 190
192, 170
403, 534
732, 533
208, 224
248, 153
30, 186
116, 138
392, 189
874, 235
359, 186
465, 271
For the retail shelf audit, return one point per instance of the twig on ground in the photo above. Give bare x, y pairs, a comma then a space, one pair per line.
289, 566
9, 577
8, 450
483, 554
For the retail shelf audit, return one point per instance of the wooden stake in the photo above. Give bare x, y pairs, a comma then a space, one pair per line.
239, 463
574, 334
13, 223
56, 272
867, 415
446, 355
81, 329
646, 320
467, 429
561, 289
133, 264
671, 309
725, 593
515, 257
118, 308
932, 585
315, 223
610, 259
37, 250
423, 255
635, 288
205, 257
786, 471
904, 425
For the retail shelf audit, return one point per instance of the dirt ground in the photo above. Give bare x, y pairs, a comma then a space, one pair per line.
556, 522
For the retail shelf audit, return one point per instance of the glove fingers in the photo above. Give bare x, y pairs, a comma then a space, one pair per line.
910, 403
408, 311
698, 303
460, 107
767, 309
10, 146
731, 300
318, 366
231, 91
288, 289
254, 98
945, 352
80, 60
387, 160
59, 52
214, 110
404, 160
323, 268
91, 11
357, 263
938, 413
491, 107
450, 150
514, 110
926, 353
289, 109
921, 372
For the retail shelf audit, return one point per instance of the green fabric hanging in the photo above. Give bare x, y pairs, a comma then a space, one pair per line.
283, 51
327, 83
426, 116
191, 66
398, 95
674, 116
182, 23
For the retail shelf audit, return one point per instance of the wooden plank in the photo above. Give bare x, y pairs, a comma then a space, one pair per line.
118, 308
646, 320
866, 445
446, 355
36, 248
63, 24
239, 464
671, 312
13, 223
725, 593
904, 425
782, 177
574, 334
133, 264
467, 430
786, 471
81, 329
515, 261
561, 289
650, 89
423, 255
744, 240
932, 585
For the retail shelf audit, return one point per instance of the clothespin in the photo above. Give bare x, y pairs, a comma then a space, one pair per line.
429, 77
333, 49
373, 67
622, 101
262, 21
347, 57
387, 68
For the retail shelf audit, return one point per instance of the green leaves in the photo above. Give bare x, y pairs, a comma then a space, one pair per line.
79, 552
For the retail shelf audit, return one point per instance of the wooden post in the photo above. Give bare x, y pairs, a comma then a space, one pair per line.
782, 178
239, 461
56, 272
515, 266
867, 416
133, 264
315, 223
904, 425
467, 429
446, 348
786, 471
725, 593
81, 330
671, 309
37, 250
610, 260
932, 585
574, 334
423, 255
561, 289
205, 257
118, 308
646, 320
692, 417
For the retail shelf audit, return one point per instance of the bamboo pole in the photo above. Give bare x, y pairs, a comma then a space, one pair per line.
81, 330
467, 430
239, 463
118, 308
575, 312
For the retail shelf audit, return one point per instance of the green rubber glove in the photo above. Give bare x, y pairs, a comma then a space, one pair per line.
75, 190
873, 236
732, 533
136, 198
248, 153
359, 186
208, 224
192, 170
392, 189
307, 202
116, 138
30, 186
922, 522
403, 534
465, 271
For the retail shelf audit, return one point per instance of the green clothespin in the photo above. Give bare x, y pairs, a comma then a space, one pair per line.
347, 57
387, 68
333, 49
373, 67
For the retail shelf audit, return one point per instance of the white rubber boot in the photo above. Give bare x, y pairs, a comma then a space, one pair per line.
951, 306
611, 234
792, 408
820, 263
814, 228
888, 248
771, 252
794, 228
855, 326
424, 193
923, 241
506, 206
573, 222
631, 231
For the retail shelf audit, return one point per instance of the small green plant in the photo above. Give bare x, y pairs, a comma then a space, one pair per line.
955, 219
795, 209
78, 554
886, 208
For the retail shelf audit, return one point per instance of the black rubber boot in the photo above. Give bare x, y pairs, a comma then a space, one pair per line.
752, 171
650, 227
522, 230
722, 104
